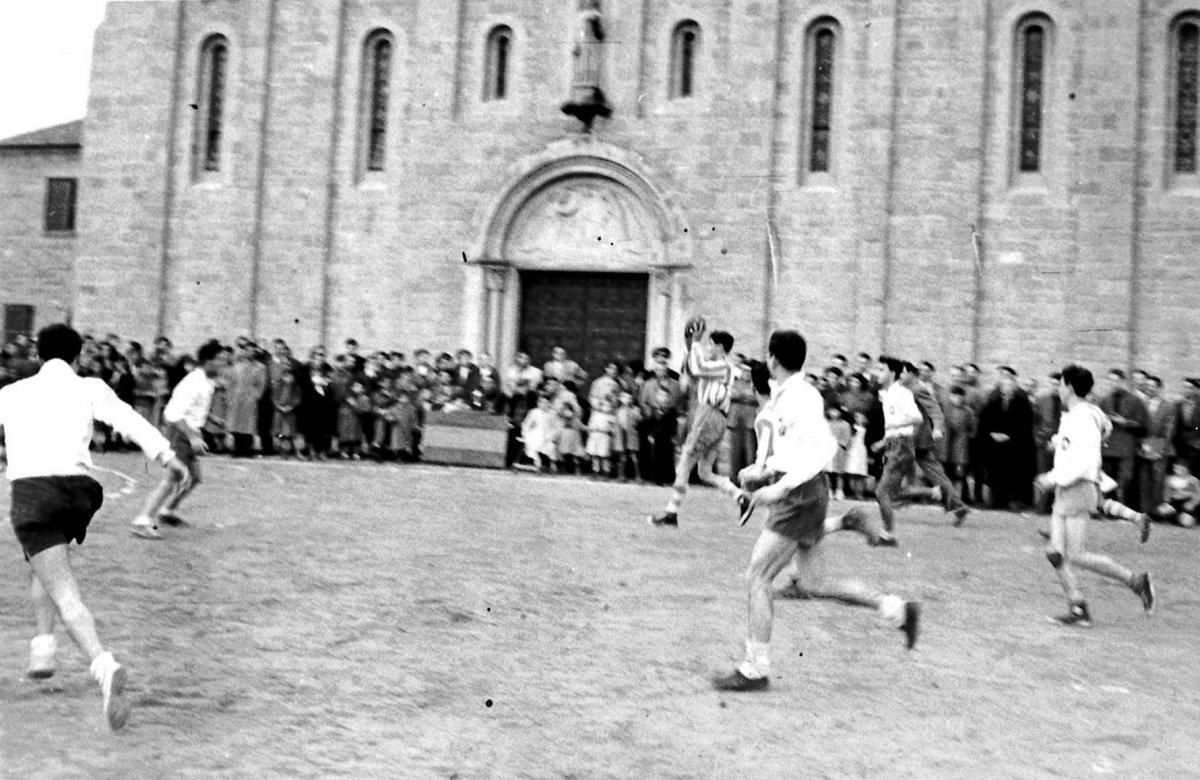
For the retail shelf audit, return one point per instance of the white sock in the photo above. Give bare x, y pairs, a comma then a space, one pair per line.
891, 610
726, 486
758, 660
101, 664
43, 643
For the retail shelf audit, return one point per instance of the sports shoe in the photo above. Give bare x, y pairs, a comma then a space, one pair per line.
855, 520
960, 515
1144, 527
912, 623
1077, 616
883, 540
670, 519
112, 678
745, 508
1144, 588
42, 663
145, 530
736, 681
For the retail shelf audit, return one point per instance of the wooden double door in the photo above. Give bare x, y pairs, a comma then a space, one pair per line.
596, 317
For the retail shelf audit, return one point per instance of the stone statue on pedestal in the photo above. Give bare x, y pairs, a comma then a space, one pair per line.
587, 98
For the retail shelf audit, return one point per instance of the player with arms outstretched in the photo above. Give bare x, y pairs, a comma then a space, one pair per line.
47, 424
709, 368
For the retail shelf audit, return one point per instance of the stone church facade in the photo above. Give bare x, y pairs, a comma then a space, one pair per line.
1004, 181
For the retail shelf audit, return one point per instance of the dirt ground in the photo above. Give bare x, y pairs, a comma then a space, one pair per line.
413, 621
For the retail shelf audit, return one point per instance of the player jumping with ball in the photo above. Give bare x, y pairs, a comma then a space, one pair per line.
710, 369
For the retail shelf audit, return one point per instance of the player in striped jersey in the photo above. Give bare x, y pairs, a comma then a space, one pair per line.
710, 371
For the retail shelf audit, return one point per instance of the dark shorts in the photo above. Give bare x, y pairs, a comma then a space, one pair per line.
181, 445
706, 427
801, 516
49, 511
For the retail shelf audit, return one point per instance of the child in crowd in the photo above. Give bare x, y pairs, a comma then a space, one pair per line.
568, 440
842, 433
349, 424
960, 430
382, 400
625, 441
601, 427
1181, 496
285, 397
854, 472
535, 430
404, 419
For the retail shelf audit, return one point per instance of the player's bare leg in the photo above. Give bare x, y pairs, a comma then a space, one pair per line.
683, 472
43, 648
807, 577
772, 553
1067, 550
52, 567
145, 525
707, 470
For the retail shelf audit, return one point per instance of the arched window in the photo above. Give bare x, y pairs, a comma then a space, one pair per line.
1186, 35
214, 59
685, 51
1033, 49
377, 76
822, 48
499, 49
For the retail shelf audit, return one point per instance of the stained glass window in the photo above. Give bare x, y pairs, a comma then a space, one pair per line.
1187, 71
685, 48
380, 70
1032, 96
822, 99
214, 110
499, 45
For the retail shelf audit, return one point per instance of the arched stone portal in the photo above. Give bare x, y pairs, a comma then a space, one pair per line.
584, 251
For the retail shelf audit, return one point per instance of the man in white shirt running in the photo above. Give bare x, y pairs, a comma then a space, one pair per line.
184, 418
1075, 479
802, 445
47, 425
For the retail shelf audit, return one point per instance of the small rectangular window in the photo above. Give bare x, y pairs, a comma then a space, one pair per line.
60, 205
18, 321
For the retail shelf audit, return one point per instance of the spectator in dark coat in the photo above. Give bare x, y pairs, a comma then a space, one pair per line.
1047, 412
1006, 437
1187, 432
1157, 446
1129, 419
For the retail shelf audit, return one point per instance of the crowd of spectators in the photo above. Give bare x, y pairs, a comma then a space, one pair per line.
994, 434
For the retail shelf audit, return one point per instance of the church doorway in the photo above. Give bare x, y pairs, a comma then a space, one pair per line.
594, 316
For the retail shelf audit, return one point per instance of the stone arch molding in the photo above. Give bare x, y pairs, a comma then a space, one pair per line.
591, 206
581, 205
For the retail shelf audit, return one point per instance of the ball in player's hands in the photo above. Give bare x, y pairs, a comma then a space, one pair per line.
694, 328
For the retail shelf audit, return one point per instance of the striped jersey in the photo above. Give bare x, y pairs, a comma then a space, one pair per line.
713, 378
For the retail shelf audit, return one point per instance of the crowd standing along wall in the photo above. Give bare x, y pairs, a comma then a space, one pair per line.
920, 235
